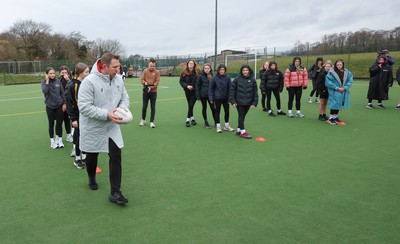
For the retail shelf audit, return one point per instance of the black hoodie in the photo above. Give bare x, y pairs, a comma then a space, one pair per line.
244, 89
272, 79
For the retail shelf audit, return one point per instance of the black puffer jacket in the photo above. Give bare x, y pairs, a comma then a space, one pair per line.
244, 89
219, 86
321, 80
188, 80
272, 79
202, 85
72, 100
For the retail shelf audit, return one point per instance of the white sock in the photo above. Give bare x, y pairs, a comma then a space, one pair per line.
242, 131
298, 111
226, 124
83, 156
78, 157
187, 119
269, 111
289, 111
238, 130
218, 125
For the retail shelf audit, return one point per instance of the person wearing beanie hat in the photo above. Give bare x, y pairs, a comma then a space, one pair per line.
381, 78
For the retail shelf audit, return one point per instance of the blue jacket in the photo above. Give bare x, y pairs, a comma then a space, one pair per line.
338, 100
219, 87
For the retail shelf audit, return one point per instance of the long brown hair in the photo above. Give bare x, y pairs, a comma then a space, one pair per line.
209, 75
79, 68
186, 71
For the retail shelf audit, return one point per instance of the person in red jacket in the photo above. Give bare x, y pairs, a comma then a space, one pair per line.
296, 79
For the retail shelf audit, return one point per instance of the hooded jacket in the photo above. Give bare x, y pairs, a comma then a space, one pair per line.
98, 95
72, 100
54, 95
244, 89
219, 86
272, 79
338, 100
380, 80
202, 85
295, 78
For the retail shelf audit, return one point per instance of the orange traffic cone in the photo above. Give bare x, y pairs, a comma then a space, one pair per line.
98, 170
260, 139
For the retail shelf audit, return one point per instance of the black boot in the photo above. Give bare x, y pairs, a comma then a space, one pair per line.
92, 183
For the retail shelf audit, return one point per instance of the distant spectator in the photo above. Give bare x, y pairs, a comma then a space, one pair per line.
385, 53
188, 82
296, 79
130, 71
313, 73
398, 81
381, 78
122, 72
262, 86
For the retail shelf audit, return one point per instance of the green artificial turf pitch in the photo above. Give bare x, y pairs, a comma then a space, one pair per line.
309, 182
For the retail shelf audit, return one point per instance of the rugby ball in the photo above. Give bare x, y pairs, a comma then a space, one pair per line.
124, 115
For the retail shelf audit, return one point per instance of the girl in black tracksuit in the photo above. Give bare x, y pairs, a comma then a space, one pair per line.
262, 85
313, 73
243, 95
323, 91
81, 71
65, 79
202, 84
272, 81
188, 82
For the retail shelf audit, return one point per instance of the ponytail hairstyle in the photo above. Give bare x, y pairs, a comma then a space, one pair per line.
79, 68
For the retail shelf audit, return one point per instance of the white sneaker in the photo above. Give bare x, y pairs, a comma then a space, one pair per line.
142, 122
70, 138
59, 142
317, 100
53, 143
218, 129
72, 152
228, 128
152, 125
309, 100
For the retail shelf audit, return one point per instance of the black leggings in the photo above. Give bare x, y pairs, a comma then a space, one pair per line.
277, 97
152, 96
218, 104
295, 91
242, 111
263, 97
191, 101
314, 88
334, 111
370, 100
67, 122
204, 101
57, 115
114, 153
76, 141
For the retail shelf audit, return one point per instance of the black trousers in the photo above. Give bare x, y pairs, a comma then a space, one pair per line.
314, 88
218, 104
263, 97
334, 111
67, 122
242, 111
55, 114
114, 153
152, 96
370, 100
277, 97
295, 92
204, 101
76, 141
191, 101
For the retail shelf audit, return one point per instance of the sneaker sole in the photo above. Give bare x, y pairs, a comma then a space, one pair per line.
116, 201
78, 167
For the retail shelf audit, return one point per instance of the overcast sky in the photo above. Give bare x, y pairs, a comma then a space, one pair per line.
178, 27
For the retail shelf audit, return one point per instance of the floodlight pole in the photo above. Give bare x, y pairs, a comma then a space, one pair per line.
215, 52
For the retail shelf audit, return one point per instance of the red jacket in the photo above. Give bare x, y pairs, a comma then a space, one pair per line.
294, 79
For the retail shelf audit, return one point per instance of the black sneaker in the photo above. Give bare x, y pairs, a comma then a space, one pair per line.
187, 123
78, 164
208, 126
281, 113
194, 122
92, 183
370, 106
321, 117
117, 198
272, 114
265, 110
331, 121
380, 106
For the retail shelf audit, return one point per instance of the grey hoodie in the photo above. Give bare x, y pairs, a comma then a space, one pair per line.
54, 95
97, 96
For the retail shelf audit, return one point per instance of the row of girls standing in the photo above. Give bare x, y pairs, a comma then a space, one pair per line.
217, 92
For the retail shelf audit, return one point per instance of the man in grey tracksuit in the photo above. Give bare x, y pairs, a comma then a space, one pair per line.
100, 94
